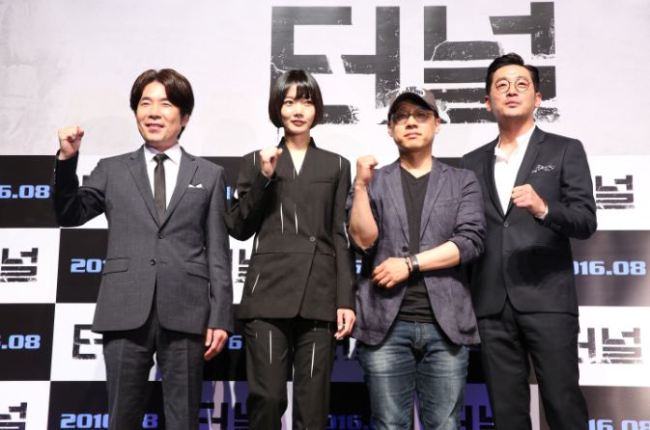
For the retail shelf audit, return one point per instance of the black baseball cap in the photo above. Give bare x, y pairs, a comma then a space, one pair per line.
419, 96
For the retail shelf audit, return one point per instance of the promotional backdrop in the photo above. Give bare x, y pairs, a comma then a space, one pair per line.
72, 62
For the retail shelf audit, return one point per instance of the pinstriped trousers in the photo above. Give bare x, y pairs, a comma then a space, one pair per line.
272, 347
129, 356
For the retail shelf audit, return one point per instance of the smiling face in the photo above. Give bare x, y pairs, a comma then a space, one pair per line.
418, 129
159, 121
512, 95
297, 114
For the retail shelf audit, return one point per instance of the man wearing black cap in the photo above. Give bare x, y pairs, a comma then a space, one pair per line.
415, 221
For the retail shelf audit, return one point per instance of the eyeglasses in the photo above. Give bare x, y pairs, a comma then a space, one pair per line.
401, 117
503, 85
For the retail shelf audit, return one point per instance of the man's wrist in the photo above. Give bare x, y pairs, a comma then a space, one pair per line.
62, 156
360, 186
407, 261
542, 215
414, 263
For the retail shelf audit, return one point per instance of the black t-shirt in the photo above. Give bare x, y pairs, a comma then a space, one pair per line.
415, 306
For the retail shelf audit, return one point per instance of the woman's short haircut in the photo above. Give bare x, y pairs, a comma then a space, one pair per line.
306, 88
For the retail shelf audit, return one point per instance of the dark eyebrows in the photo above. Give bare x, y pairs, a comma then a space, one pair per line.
516, 79
149, 98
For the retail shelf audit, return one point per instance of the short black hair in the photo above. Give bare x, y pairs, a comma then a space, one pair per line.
507, 60
178, 89
306, 88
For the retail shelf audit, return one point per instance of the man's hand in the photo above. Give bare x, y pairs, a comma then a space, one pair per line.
269, 159
69, 141
525, 197
365, 170
345, 319
215, 340
390, 272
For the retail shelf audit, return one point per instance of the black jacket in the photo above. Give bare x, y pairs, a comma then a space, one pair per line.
301, 264
526, 258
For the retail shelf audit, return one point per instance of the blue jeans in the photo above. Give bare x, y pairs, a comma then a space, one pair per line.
415, 358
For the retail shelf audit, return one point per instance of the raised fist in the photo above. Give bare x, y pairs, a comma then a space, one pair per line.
69, 141
365, 170
269, 159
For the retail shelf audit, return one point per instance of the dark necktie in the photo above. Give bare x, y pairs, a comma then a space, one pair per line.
159, 185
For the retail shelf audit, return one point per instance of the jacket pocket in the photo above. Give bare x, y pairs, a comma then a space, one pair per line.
197, 269
115, 265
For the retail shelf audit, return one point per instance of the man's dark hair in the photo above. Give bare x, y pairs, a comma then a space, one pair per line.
178, 89
306, 88
507, 60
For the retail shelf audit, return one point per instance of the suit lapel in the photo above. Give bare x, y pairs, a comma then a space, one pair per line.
437, 179
397, 195
185, 174
138, 169
529, 159
310, 163
285, 168
488, 168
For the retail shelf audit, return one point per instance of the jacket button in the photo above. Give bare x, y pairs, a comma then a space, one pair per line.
312, 239
506, 224
152, 261
160, 236
405, 248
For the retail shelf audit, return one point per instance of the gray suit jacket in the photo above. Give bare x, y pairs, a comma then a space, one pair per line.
452, 211
182, 262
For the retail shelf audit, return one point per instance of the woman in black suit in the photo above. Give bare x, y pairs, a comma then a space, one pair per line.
298, 296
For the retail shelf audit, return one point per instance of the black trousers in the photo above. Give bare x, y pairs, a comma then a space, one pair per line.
129, 357
551, 340
272, 346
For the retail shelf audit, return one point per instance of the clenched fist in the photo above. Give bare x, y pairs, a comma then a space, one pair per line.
391, 272
525, 197
69, 141
269, 159
365, 170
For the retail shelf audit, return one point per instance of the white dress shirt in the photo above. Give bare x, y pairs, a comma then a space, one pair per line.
171, 164
507, 166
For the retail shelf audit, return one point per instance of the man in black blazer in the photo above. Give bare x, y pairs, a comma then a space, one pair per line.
166, 284
538, 194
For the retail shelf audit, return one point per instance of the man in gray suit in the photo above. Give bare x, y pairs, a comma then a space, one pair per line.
416, 222
166, 284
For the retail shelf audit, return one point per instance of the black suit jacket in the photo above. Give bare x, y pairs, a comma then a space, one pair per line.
526, 258
301, 264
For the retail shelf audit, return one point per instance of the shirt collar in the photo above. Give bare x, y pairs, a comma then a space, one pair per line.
522, 144
174, 153
283, 143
